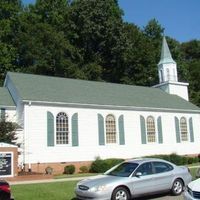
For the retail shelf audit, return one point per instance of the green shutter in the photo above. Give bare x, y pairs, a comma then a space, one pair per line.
101, 130
191, 130
121, 130
160, 135
75, 141
178, 139
3, 113
143, 130
50, 129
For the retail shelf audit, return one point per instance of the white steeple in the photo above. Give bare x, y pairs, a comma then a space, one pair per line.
167, 71
167, 66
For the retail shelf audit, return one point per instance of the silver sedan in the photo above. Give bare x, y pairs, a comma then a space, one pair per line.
135, 178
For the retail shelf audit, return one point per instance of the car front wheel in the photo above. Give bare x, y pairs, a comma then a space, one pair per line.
177, 187
120, 193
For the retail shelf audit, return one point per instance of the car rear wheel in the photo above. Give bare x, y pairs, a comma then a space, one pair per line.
120, 193
177, 187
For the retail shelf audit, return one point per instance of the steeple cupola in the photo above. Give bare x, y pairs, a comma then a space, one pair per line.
167, 71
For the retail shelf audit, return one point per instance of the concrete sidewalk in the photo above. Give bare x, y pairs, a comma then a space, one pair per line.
22, 182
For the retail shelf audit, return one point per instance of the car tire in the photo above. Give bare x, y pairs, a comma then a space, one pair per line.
120, 193
177, 187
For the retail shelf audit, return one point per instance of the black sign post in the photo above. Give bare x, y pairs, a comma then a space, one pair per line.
5, 164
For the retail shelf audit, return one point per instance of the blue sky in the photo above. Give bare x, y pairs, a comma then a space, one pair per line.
180, 18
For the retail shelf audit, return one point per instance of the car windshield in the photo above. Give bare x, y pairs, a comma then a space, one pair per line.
123, 170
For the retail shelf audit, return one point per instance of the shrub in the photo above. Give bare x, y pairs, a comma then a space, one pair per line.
110, 162
196, 160
185, 160
69, 169
49, 170
83, 169
190, 160
176, 159
100, 166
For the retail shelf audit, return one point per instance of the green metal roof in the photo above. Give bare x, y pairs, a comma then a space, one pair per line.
73, 91
5, 98
166, 56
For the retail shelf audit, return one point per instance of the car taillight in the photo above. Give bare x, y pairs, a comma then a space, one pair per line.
5, 188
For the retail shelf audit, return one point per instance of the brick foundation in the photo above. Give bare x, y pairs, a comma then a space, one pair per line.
58, 168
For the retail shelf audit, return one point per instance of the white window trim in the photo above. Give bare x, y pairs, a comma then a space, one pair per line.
116, 129
156, 130
69, 131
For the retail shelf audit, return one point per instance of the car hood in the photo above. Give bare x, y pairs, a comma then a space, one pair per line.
100, 180
195, 185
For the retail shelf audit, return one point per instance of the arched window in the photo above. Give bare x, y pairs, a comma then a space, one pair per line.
183, 127
62, 128
151, 132
110, 129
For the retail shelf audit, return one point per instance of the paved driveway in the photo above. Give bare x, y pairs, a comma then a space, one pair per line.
161, 197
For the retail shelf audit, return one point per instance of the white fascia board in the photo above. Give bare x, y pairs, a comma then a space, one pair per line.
113, 107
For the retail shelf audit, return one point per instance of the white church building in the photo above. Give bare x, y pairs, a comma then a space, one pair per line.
74, 121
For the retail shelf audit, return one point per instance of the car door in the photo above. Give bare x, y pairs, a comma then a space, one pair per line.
163, 175
143, 179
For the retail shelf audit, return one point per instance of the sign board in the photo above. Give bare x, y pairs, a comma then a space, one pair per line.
6, 164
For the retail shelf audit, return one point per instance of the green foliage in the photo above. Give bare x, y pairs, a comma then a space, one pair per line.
101, 166
89, 40
69, 169
8, 131
9, 23
84, 169
177, 159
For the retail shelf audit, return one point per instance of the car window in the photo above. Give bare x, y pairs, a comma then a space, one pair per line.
145, 169
161, 167
124, 170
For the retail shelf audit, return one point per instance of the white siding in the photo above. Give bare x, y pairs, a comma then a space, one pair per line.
36, 149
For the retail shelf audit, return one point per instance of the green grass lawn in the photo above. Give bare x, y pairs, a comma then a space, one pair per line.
45, 191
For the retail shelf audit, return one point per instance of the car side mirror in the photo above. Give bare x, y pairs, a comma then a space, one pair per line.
138, 174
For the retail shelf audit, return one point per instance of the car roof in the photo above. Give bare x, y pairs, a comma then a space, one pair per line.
142, 160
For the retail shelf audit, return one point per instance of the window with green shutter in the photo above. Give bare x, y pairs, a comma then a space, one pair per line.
191, 130
75, 140
160, 134
121, 130
50, 129
177, 129
143, 130
101, 130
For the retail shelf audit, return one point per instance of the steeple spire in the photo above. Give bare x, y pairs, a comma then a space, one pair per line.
166, 56
168, 77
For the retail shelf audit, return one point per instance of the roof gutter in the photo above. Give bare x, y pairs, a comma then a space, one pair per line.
82, 105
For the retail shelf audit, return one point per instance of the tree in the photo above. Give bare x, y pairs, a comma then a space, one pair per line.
9, 11
8, 131
43, 45
136, 57
97, 32
191, 57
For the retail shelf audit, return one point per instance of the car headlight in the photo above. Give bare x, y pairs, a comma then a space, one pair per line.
98, 188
